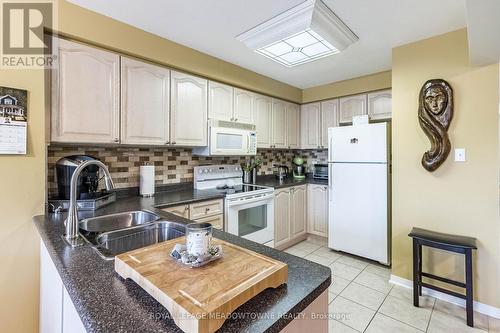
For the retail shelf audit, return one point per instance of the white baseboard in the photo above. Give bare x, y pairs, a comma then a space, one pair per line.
479, 307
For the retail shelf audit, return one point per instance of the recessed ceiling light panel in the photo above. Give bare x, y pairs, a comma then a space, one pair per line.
302, 34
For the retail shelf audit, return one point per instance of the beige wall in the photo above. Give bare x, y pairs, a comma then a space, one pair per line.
357, 85
458, 198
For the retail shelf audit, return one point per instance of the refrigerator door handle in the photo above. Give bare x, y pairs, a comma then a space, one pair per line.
330, 182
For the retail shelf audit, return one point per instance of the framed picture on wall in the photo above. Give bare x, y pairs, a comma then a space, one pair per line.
13, 120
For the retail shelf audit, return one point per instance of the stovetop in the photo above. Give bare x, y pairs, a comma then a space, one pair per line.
238, 189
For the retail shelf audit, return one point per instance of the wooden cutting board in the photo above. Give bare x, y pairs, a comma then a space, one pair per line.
201, 299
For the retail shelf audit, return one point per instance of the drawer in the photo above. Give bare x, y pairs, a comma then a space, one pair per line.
205, 209
182, 210
217, 221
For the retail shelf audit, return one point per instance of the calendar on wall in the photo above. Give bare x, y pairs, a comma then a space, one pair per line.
13, 120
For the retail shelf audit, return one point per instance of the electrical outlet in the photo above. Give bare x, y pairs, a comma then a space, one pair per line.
460, 155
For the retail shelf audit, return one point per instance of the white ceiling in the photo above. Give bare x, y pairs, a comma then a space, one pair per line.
210, 26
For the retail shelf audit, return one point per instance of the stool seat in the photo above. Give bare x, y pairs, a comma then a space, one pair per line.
442, 238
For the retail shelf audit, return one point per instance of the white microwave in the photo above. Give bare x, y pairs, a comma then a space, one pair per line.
227, 138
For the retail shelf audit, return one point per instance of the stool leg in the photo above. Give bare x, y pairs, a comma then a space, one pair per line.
416, 260
420, 269
469, 305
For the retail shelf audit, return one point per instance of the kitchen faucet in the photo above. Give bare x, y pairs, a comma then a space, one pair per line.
72, 237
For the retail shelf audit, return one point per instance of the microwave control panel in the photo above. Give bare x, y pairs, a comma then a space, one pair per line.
252, 143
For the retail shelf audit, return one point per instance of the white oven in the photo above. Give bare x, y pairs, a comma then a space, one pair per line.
252, 216
228, 138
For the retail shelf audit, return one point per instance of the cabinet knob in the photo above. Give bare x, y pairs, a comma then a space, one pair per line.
173, 142
167, 143
232, 118
207, 210
235, 119
116, 140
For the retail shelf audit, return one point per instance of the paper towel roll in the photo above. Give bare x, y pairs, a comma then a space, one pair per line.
147, 180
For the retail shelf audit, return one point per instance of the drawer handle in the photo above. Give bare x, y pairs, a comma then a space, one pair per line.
207, 210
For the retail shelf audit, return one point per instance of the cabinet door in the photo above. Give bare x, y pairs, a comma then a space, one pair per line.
145, 91
263, 120
220, 101
329, 118
182, 210
317, 210
309, 126
216, 221
293, 129
71, 323
279, 133
51, 294
85, 95
243, 106
188, 112
299, 211
281, 216
352, 106
380, 105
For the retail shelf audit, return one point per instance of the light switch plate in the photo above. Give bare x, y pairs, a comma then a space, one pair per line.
460, 155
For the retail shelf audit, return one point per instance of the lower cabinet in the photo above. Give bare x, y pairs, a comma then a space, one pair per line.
57, 312
210, 211
290, 207
317, 209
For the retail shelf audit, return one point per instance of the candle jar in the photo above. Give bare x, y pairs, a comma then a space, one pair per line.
198, 238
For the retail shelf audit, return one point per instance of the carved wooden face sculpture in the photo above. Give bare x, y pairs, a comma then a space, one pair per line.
434, 114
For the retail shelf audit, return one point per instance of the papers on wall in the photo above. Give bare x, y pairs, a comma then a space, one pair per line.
13, 120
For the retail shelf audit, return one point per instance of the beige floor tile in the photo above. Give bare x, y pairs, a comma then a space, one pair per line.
370, 298
338, 284
494, 325
405, 312
350, 313
480, 320
320, 240
320, 260
380, 270
374, 281
337, 327
344, 271
296, 252
306, 246
331, 296
407, 295
326, 252
443, 323
383, 324
353, 262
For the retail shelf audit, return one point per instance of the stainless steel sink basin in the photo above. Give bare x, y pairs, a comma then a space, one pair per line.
117, 221
109, 244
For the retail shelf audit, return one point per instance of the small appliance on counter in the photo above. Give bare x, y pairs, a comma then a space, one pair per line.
282, 171
320, 171
299, 168
89, 197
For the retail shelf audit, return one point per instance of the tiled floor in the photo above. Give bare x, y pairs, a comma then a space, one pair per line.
362, 299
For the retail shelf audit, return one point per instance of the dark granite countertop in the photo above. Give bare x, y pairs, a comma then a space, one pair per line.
273, 181
107, 303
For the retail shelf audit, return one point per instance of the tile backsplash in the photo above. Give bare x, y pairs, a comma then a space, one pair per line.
173, 165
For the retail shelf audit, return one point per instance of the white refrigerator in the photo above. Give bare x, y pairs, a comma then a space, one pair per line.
359, 190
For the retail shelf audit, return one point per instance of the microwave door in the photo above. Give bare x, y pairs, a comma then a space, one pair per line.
227, 141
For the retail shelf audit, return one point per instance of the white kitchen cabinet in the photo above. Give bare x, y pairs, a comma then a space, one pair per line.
380, 105
145, 93
220, 101
188, 110
352, 106
317, 209
281, 216
71, 322
293, 127
310, 126
329, 118
85, 95
243, 106
298, 216
279, 125
263, 120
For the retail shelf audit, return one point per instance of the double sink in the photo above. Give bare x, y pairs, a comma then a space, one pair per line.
113, 234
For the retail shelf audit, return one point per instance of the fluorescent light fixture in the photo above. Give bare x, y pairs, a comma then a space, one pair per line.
304, 33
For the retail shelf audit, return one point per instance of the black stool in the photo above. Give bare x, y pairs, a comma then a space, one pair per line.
457, 244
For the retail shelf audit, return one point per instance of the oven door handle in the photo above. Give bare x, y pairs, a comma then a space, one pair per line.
262, 197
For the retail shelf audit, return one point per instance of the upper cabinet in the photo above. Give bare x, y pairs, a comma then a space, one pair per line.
329, 118
279, 125
380, 105
145, 91
243, 106
85, 95
310, 125
220, 101
188, 110
293, 128
262, 110
352, 106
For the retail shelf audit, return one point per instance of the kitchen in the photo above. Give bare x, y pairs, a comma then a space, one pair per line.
181, 131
